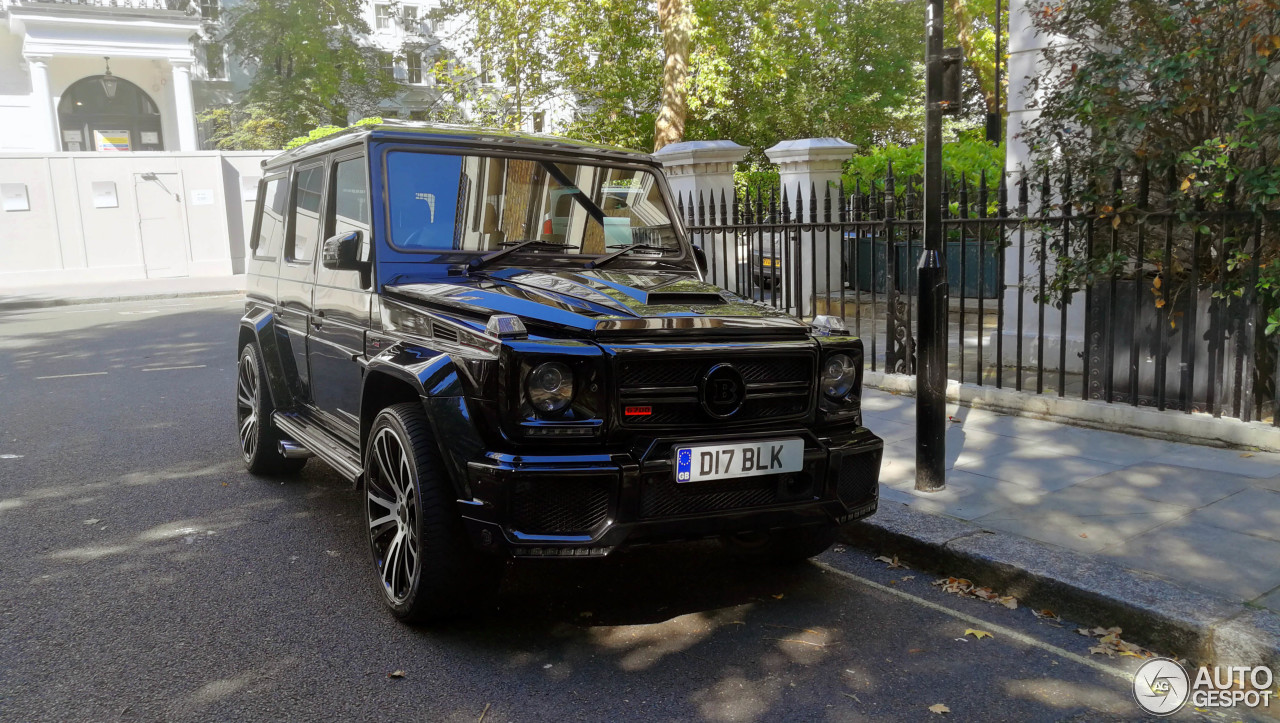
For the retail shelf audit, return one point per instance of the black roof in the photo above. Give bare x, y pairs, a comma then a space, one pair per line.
455, 134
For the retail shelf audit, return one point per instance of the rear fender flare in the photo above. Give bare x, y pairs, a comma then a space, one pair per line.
258, 326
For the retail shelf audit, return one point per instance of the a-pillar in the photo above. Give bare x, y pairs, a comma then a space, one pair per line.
808, 170
184, 106
701, 172
46, 131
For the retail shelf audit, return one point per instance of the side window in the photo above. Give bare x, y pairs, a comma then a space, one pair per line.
348, 211
350, 197
271, 226
308, 189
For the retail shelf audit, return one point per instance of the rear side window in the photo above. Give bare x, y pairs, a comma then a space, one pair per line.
271, 227
308, 190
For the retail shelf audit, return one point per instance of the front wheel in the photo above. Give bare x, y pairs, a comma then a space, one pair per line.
783, 547
426, 569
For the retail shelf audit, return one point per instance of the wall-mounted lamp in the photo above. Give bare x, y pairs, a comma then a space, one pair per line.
109, 81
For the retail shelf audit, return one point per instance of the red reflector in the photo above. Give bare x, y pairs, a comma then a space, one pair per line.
638, 411
547, 228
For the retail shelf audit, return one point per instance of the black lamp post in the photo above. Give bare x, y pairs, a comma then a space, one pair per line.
942, 95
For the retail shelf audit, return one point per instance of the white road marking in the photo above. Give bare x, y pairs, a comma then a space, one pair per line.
68, 376
986, 625
167, 369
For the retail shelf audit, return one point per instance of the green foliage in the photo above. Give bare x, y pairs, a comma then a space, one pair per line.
328, 130
761, 71
310, 68
970, 158
1193, 101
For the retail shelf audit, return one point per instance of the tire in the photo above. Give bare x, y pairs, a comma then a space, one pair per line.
259, 439
426, 568
783, 547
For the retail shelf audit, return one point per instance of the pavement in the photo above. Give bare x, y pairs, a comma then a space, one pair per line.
147, 576
14, 298
1200, 526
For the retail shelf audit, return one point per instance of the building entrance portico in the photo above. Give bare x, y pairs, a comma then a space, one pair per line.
64, 105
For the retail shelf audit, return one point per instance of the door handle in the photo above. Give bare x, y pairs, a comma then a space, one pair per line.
317, 321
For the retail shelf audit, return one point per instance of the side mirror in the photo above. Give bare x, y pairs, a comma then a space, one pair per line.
342, 252
700, 258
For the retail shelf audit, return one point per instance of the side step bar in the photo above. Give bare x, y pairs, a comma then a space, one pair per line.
317, 441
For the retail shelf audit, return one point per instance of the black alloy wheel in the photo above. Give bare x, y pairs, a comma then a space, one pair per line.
259, 441
426, 568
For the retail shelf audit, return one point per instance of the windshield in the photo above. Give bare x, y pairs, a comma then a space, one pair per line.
482, 203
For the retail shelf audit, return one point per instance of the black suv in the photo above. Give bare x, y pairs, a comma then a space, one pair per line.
507, 341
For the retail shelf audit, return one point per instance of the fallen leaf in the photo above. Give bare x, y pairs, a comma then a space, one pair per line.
908, 577
396, 674
92, 521
892, 562
1047, 614
778, 596
939, 709
1102, 650
483, 713
979, 634
1010, 602
1247, 454
916, 650
1084, 534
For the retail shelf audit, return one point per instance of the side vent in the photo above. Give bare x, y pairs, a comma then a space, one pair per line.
440, 331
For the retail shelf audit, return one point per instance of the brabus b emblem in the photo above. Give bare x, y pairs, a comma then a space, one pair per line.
723, 391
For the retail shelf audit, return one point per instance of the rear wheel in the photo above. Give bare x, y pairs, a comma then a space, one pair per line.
259, 440
783, 547
426, 569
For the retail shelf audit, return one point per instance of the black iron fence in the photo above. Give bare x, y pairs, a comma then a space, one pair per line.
1143, 307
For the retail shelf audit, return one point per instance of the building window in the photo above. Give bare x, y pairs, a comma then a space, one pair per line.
417, 115
414, 22
413, 60
539, 120
387, 64
210, 9
215, 61
382, 18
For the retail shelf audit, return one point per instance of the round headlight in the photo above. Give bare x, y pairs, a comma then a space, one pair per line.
838, 376
550, 387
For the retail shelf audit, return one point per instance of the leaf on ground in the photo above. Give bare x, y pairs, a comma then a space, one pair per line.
908, 577
892, 562
979, 634
939, 708
1047, 614
396, 674
1103, 650
1247, 454
1009, 601
779, 596
92, 521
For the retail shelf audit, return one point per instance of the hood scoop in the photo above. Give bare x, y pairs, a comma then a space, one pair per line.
680, 298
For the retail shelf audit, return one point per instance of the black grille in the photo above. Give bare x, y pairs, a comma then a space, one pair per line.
559, 506
858, 477
778, 387
665, 498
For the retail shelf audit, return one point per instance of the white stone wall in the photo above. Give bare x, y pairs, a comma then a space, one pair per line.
173, 214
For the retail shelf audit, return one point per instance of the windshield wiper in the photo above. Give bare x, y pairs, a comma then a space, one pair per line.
626, 249
480, 262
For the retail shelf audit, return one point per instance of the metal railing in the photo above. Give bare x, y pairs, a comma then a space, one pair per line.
180, 5
1142, 308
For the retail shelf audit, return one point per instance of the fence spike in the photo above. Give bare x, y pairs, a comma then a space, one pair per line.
737, 210
773, 205
826, 205
702, 210
982, 192
813, 202
842, 214
786, 208
680, 205
1022, 193
724, 210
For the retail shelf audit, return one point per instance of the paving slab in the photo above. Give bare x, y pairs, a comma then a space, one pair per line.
1240, 566
1084, 519
1119, 449
1038, 468
1167, 483
967, 495
1270, 601
1251, 512
1260, 465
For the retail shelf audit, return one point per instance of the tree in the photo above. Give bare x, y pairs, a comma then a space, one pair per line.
310, 68
673, 18
1193, 96
973, 24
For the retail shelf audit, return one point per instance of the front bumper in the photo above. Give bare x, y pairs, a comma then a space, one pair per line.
575, 505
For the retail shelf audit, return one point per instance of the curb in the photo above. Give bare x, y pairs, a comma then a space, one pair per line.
23, 304
1153, 612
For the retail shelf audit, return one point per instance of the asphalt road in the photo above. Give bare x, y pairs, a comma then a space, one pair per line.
144, 575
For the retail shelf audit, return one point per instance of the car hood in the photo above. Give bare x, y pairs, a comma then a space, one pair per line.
600, 303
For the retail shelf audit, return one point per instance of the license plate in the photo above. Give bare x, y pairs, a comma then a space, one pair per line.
739, 459
767, 262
